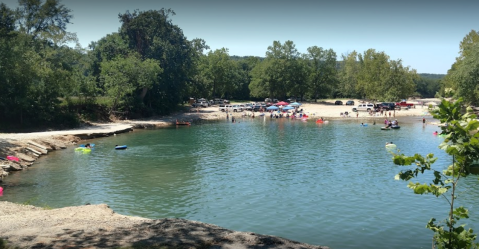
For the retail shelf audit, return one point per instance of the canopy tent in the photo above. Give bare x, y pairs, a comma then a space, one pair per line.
281, 103
288, 108
295, 104
272, 108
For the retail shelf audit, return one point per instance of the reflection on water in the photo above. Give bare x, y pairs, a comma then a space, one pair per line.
308, 182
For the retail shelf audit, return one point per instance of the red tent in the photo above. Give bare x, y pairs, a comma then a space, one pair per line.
281, 103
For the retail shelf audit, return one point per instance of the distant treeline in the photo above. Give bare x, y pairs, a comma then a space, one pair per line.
150, 68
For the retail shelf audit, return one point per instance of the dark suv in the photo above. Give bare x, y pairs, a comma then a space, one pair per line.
338, 102
387, 106
350, 102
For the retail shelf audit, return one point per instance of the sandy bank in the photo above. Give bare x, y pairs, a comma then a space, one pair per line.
97, 226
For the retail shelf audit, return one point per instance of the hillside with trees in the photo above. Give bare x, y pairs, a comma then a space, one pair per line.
149, 67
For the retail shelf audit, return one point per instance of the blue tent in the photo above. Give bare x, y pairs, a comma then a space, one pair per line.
288, 108
295, 104
272, 108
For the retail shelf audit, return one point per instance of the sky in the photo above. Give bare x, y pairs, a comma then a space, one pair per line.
423, 34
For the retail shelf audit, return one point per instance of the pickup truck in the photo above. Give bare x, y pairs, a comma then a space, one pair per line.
404, 104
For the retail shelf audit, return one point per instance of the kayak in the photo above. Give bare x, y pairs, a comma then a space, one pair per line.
120, 147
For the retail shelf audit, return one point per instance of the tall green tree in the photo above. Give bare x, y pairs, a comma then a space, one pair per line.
260, 80
43, 20
373, 77
466, 75
463, 78
400, 82
222, 73
126, 78
348, 75
283, 59
197, 80
300, 80
323, 77
33, 85
153, 36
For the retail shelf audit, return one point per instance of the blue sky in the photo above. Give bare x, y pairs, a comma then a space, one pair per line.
424, 34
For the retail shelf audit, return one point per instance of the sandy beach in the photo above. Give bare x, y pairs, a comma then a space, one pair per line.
97, 226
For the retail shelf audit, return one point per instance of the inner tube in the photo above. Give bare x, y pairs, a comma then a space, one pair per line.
83, 149
390, 146
120, 147
385, 128
12, 158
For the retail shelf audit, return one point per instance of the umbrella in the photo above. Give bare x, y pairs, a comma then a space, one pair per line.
295, 104
282, 103
288, 108
272, 108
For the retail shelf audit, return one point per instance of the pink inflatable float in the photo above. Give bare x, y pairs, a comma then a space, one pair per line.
12, 158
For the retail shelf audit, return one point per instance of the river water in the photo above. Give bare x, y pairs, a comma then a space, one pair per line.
326, 184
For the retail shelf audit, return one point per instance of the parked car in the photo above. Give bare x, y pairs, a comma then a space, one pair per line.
218, 101
350, 102
246, 107
338, 102
201, 104
387, 106
259, 106
364, 107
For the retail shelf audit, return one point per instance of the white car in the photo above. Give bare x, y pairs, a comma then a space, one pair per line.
364, 107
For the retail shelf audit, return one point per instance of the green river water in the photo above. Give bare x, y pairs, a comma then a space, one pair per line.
325, 184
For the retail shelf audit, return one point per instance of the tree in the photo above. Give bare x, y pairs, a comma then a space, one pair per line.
462, 144
260, 78
221, 72
7, 20
300, 78
382, 79
153, 36
373, 75
400, 82
427, 87
348, 75
45, 20
462, 78
467, 43
322, 63
126, 78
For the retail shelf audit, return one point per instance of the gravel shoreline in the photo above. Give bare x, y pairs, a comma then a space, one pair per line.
97, 226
